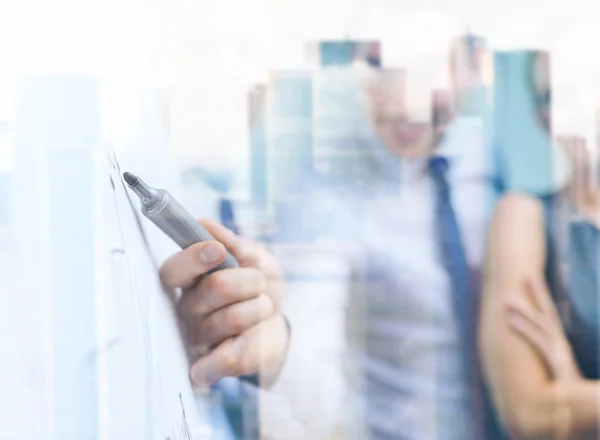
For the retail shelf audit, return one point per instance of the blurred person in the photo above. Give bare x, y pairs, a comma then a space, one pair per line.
539, 327
539, 321
421, 375
581, 192
381, 342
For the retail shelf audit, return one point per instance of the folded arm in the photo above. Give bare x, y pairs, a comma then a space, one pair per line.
531, 403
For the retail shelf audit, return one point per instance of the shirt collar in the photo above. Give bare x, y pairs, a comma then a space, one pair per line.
412, 170
463, 138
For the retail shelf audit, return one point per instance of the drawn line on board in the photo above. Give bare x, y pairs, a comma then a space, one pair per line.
112, 157
186, 428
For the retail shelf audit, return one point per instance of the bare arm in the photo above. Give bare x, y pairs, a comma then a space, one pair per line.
530, 402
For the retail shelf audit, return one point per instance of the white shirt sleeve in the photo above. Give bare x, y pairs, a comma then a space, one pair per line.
307, 399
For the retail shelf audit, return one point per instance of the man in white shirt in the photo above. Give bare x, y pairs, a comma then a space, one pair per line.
375, 335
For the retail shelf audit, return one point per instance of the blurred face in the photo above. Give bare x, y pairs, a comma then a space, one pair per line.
540, 71
402, 118
443, 113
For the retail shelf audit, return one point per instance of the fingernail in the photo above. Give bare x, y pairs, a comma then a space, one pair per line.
207, 377
210, 253
199, 379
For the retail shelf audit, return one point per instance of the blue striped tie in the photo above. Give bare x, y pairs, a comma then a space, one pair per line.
463, 300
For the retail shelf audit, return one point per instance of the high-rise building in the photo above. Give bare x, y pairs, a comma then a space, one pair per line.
257, 125
522, 113
281, 144
57, 128
343, 52
471, 68
343, 137
308, 127
289, 133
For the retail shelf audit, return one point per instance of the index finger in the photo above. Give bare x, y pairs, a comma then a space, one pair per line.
244, 250
183, 268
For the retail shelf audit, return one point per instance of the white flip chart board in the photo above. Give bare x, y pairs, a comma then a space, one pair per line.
111, 353
131, 262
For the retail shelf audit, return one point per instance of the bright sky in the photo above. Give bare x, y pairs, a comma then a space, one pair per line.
214, 50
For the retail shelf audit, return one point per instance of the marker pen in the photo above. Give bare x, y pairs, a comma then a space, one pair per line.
164, 211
